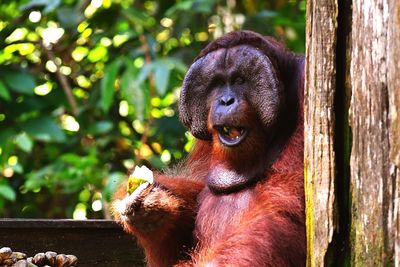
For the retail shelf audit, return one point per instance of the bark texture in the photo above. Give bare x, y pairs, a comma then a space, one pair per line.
374, 181
353, 52
394, 121
320, 86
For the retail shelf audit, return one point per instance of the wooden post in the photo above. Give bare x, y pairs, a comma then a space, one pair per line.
319, 164
394, 121
353, 52
375, 94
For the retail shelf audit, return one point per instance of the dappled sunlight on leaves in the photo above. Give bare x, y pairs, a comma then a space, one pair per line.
89, 89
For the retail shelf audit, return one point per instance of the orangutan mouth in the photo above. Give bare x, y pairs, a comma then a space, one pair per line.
231, 136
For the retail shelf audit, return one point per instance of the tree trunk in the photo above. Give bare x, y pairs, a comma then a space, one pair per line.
319, 164
353, 52
394, 122
374, 176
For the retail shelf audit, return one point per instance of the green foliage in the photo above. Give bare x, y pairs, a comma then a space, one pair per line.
89, 89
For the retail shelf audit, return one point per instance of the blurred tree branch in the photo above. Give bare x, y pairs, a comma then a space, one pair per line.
62, 79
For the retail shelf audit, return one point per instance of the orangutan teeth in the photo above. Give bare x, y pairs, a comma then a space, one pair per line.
231, 136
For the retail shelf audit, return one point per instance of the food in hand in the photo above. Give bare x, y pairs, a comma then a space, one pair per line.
141, 176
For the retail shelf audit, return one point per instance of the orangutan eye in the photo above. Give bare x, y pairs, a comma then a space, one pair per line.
238, 80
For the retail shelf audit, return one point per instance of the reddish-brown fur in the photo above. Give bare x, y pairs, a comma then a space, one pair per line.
261, 225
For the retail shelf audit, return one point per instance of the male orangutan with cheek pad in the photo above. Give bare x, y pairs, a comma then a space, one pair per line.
239, 198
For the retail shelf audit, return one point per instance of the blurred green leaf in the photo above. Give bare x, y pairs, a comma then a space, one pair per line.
107, 85
100, 127
4, 92
138, 17
44, 129
156, 162
144, 72
204, 6
162, 70
178, 65
17, 168
71, 158
35, 180
20, 82
50, 5
7, 192
180, 6
69, 17
2, 202
113, 181
267, 14
133, 93
6, 135
97, 54
161, 77
24, 142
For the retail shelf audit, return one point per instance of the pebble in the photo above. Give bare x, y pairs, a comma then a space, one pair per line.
8, 258
5, 252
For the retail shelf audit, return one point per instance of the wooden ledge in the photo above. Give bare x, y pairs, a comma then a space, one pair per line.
94, 242
62, 223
